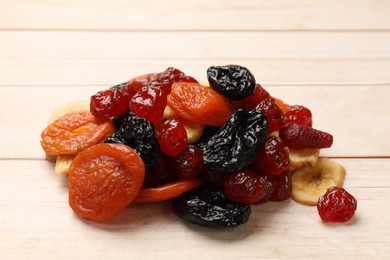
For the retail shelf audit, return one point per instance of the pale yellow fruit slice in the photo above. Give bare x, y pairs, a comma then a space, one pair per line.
311, 182
63, 164
76, 106
303, 158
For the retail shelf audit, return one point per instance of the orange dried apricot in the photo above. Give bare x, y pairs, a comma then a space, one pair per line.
104, 179
74, 132
200, 104
166, 191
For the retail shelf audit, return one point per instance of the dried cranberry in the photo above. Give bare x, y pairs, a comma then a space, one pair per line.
258, 95
160, 174
273, 157
165, 79
336, 205
149, 103
189, 163
299, 115
131, 87
172, 137
299, 136
278, 186
108, 103
245, 186
273, 114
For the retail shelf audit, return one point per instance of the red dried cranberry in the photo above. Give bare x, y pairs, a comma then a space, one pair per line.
149, 103
165, 79
273, 114
172, 137
260, 94
108, 103
245, 186
189, 163
278, 186
299, 136
160, 174
336, 205
299, 115
131, 88
273, 157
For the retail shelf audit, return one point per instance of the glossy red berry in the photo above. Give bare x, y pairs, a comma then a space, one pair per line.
336, 205
165, 79
260, 94
172, 137
131, 88
299, 136
108, 103
149, 103
273, 114
273, 157
278, 186
245, 186
189, 163
299, 115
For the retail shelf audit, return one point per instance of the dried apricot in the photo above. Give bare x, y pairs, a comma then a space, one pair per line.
74, 132
104, 179
166, 191
200, 104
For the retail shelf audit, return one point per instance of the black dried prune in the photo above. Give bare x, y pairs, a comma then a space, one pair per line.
210, 206
233, 81
237, 143
138, 133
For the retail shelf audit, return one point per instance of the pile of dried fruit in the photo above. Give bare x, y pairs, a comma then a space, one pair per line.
214, 150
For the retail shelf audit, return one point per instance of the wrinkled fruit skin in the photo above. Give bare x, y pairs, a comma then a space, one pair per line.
138, 133
336, 205
108, 103
299, 115
236, 144
245, 186
299, 137
233, 81
172, 137
210, 206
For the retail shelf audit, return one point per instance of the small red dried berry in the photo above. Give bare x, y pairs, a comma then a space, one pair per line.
245, 186
108, 103
172, 137
278, 186
131, 87
160, 174
299, 115
189, 163
299, 136
273, 157
273, 114
336, 205
260, 94
165, 79
149, 103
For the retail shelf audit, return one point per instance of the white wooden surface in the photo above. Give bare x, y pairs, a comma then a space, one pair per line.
332, 56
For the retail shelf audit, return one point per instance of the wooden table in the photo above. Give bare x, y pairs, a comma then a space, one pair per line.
331, 56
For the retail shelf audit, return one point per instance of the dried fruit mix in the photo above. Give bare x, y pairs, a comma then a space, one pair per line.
214, 150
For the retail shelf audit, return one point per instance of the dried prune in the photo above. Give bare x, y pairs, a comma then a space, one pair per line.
210, 206
236, 144
233, 81
138, 133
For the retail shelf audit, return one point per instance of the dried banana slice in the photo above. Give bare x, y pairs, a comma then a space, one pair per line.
311, 182
68, 108
303, 158
63, 163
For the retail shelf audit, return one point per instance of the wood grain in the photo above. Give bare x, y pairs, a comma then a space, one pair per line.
196, 15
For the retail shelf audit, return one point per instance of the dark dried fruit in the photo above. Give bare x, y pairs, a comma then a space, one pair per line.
211, 207
273, 114
189, 163
299, 137
236, 144
138, 133
233, 81
336, 205
245, 186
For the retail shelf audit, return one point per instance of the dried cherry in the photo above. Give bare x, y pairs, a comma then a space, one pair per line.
233, 81
172, 137
236, 144
189, 163
108, 103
